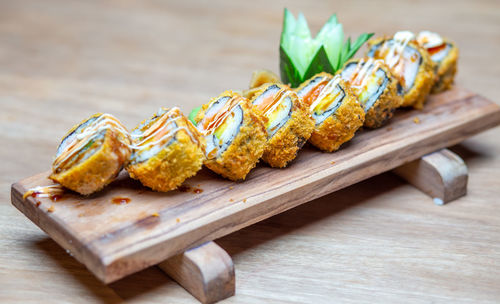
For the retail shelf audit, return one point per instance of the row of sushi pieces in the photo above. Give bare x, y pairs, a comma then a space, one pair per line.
270, 121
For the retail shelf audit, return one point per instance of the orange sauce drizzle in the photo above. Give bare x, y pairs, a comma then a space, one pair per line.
163, 129
326, 89
363, 70
436, 49
52, 191
393, 56
210, 123
270, 103
120, 200
79, 141
314, 92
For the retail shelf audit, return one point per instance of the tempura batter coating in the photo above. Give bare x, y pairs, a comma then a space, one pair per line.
386, 104
260, 78
180, 157
246, 147
384, 108
446, 70
341, 126
282, 147
96, 164
417, 95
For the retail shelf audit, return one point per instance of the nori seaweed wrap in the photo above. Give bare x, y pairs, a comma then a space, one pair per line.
335, 109
235, 135
92, 154
288, 123
445, 54
376, 88
409, 62
168, 149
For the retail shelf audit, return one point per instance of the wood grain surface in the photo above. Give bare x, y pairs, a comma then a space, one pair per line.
115, 240
442, 175
206, 271
380, 239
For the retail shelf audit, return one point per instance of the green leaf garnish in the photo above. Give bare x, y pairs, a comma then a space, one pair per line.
193, 114
319, 63
302, 56
289, 73
357, 44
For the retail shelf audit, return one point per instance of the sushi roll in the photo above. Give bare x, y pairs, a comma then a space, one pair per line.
92, 154
409, 62
168, 149
444, 54
288, 123
376, 88
235, 135
335, 109
259, 79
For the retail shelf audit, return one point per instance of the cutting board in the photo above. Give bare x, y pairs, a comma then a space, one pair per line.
126, 227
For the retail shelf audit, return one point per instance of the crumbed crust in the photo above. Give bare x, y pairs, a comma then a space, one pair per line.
175, 163
424, 80
341, 126
247, 147
283, 147
446, 70
383, 109
97, 171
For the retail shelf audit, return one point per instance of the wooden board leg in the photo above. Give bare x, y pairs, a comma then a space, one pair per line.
207, 272
442, 175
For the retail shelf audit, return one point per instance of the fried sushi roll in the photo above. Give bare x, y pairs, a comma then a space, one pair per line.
92, 154
167, 149
444, 53
409, 62
288, 123
259, 79
235, 135
335, 109
376, 88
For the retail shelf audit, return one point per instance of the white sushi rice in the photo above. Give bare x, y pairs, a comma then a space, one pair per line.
332, 108
281, 113
233, 123
372, 91
411, 69
145, 154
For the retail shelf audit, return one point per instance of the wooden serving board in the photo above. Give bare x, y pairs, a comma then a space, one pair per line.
114, 240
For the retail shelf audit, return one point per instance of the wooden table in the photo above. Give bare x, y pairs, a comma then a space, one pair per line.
380, 239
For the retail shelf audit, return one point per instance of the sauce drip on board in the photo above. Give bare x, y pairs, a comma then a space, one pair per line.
118, 200
187, 188
54, 192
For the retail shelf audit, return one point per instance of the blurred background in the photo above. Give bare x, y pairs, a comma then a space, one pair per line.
61, 61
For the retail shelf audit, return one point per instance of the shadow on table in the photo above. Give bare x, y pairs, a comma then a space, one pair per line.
309, 213
137, 284
152, 278
332, 204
